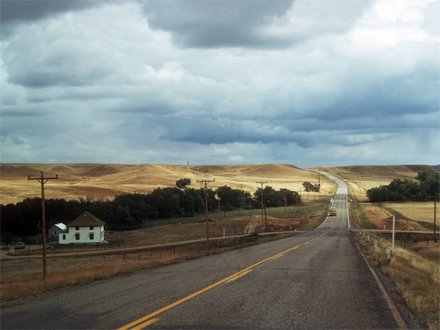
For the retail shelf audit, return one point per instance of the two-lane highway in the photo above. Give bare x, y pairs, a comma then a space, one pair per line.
317, 279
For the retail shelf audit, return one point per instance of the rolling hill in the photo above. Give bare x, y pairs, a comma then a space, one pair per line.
104, 181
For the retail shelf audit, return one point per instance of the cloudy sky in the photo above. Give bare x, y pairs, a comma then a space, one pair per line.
304, 82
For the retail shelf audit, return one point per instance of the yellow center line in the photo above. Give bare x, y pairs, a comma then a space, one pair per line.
238, 276
278, 255
145, 324
138, 323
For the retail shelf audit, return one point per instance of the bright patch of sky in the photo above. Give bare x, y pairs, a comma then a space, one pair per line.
304, 82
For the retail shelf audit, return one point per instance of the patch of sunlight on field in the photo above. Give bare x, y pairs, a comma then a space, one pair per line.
418, 211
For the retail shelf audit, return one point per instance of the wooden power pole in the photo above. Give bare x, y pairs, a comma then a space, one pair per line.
206, 204
262, 201
43, 180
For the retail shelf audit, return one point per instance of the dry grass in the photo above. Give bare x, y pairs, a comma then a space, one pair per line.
103, 181
417, 211
415, 278
415, 266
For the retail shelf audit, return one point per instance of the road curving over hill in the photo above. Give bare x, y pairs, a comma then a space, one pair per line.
314, 280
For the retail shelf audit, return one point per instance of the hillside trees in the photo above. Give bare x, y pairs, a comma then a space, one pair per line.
231, 198
311, 187
426, 186
182, 183
275, 198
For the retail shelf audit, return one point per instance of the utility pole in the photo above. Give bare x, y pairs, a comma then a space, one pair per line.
43, 180
262, 202
435, 212
206, 203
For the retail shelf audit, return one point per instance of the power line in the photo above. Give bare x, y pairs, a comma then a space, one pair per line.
42, 181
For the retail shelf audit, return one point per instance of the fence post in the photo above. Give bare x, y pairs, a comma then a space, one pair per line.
388, 255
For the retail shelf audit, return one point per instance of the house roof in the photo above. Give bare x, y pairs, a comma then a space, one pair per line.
86, 219
62, 226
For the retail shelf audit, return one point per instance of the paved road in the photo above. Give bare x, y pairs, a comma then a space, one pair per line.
315, 280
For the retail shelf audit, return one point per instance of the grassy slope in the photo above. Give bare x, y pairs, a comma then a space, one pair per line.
103, 181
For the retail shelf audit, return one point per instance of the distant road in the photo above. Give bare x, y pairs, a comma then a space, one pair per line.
314, 280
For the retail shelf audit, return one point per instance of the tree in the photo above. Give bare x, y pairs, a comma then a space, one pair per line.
311, 187
232, 197
182, 183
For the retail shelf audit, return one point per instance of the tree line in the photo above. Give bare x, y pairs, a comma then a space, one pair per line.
134, 210
425, 186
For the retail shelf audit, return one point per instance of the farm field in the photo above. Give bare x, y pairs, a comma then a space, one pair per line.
417, 211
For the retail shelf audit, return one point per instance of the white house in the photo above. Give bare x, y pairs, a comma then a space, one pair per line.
85, 229
57, 229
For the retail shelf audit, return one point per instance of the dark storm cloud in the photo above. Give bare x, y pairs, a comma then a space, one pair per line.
14, 12
217, 23
249, 23
207, 131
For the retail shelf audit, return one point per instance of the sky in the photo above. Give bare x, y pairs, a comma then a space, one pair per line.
303, 82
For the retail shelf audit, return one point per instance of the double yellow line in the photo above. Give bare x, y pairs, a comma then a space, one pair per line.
150, 318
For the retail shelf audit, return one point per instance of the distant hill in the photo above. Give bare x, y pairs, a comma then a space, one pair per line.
387, 172
360, 178
104, 181
437, 167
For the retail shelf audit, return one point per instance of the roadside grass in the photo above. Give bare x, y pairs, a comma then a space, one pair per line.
358, 217
415, 278
72, 271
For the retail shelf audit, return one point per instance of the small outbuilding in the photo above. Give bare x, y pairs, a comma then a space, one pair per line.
85, 229
57, 229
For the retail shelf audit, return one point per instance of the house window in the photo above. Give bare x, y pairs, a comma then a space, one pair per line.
91, 227
76, 228
64, 237
91, 236
77, 236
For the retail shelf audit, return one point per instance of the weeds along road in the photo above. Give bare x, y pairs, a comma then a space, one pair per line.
314, 280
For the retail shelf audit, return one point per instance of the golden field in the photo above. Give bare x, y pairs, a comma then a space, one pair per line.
417, 211
104, 181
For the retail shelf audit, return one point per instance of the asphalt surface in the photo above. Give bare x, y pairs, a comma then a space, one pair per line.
314, 280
